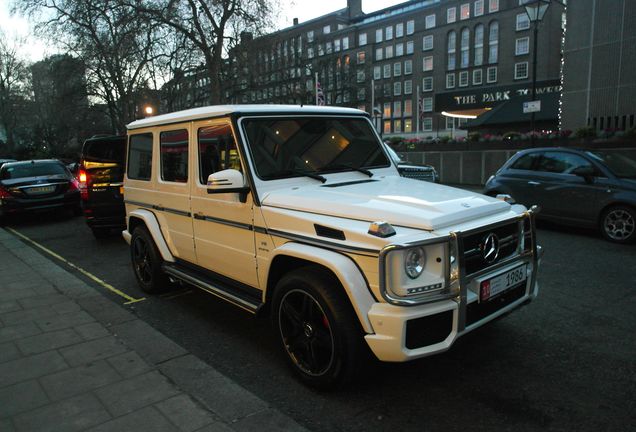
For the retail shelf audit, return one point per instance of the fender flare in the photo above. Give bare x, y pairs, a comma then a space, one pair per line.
344, 268
150, 220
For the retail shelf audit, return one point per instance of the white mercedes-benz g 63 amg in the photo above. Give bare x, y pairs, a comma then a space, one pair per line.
298, 212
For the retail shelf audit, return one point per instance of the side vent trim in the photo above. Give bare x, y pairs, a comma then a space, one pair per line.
332, 233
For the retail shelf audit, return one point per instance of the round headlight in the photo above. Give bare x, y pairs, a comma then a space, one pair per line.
414, 262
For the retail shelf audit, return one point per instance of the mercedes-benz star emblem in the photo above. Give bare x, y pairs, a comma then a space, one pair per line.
490, 248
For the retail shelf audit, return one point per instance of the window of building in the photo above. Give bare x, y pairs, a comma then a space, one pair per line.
397, 88
522, 46
360, 75
377, 72
523, 21
478, 8
387, 71
399, 30
521, 70
310, 52
386, 90
450, 123
140, 156
491, 75
427, 43
397, 109
388, 53
379, 54
399, 50
427, 104
321, 50
362, 39
477, 77
451, 15
493, 42
408, 125
336, 45
452, 42
450, 80
464, 11
387, 110
465, 47
328, 47
326, 29
479, 44
408, 67
408, 87
409, 47
387, 126
362, 94
388, 33
427, 124
430, 21
427, 63
463, 79
310, 36
410, 27
397, 69
345, 43
378, 35
493, 5
408, 107
361, 57
397, 126
427, 84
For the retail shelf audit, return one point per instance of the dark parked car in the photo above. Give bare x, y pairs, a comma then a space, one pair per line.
101, 176
37, 185
590, 188
412, 170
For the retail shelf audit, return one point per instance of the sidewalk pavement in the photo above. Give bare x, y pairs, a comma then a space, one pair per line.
72, 360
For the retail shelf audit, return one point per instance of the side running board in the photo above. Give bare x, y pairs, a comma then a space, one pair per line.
223, 291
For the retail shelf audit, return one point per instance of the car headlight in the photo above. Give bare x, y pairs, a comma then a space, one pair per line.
414, 262
420, 273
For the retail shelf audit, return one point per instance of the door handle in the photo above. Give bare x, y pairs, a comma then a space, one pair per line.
534, 183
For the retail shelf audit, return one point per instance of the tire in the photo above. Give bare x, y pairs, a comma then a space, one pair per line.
101, 233
618, 224
317, 328
146, 262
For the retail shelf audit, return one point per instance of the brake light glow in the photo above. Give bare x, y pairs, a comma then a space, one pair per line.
4, 194
82, 176
83, 184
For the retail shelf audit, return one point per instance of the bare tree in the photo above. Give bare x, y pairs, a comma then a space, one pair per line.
14, 76
114, 41
212, 26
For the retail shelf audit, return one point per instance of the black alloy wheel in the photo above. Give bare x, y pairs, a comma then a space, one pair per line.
317, 328
147, 262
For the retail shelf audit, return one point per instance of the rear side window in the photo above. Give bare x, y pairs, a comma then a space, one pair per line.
108, 150
217, 151
174, 156
140, 157
527, 162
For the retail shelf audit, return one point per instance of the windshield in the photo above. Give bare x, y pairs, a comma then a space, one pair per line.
31, 170
618, 163
396, 158
293, 147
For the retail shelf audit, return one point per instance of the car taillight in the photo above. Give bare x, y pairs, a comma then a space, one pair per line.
4, 194
74, 184
83, 184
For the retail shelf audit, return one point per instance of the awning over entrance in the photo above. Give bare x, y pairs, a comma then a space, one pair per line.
511, 112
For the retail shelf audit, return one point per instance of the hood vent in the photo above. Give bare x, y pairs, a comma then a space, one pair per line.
332, 233
349, 183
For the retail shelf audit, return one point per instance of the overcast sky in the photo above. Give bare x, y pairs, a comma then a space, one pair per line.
304, 10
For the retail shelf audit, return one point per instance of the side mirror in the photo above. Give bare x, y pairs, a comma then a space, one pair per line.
228, 181
587, 172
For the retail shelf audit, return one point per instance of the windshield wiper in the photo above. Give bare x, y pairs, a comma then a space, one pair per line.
303, 173
350, 166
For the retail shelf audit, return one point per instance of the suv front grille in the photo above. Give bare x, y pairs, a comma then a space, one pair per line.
508, 237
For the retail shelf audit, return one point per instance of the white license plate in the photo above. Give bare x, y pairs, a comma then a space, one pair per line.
40, 190
490, 288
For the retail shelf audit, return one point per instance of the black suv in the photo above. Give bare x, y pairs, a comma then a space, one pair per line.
101, 177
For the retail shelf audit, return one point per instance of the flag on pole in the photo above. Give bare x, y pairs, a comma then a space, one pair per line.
320, 96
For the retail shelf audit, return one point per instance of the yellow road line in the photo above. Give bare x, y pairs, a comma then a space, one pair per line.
91, 276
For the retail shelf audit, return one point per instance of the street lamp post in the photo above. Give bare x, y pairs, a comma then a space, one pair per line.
536, 10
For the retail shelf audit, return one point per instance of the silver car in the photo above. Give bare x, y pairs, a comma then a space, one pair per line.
588, 188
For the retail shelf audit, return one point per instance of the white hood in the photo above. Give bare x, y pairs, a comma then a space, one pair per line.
397, 200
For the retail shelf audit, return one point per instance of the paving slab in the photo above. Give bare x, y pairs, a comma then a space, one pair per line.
150, 344
9, 351
9, 333
129, 364
145, 420
80, 379
21, 397
30, 367
89, 351
48, 341
183, 411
